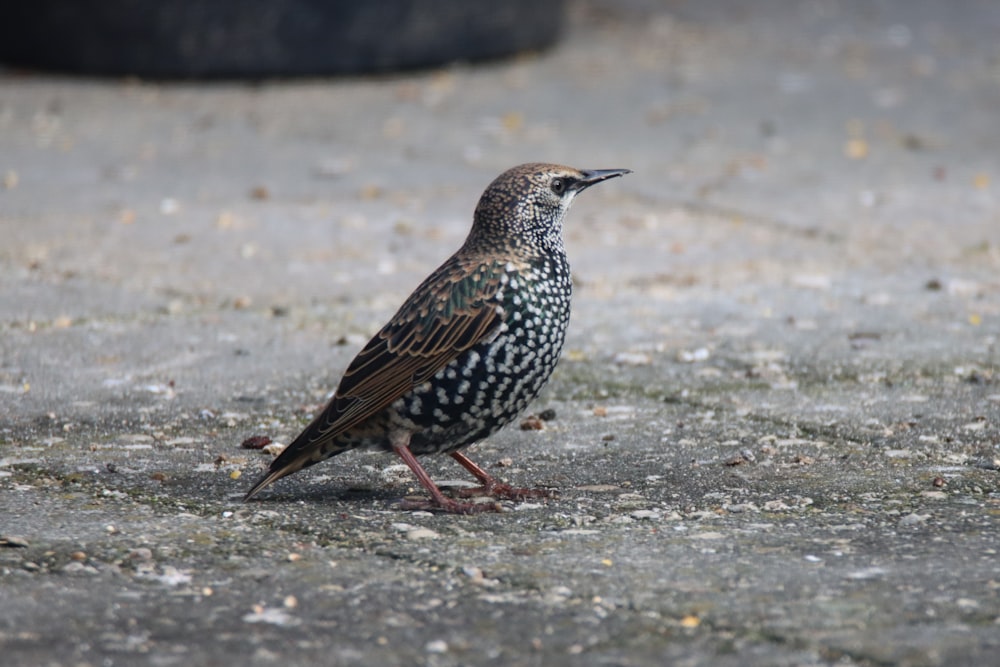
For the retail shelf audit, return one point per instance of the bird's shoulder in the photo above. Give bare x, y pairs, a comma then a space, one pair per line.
466, 287
455, 308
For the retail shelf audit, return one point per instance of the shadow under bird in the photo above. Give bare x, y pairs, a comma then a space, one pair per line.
468, 350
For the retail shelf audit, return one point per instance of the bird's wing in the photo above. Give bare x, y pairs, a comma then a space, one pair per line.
451, 311
434, 326
455, 308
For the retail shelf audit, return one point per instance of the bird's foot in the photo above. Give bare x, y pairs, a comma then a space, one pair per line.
492, 487
496, 489
449, 506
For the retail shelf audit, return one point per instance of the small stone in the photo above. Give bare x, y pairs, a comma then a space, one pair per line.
370, 192
173, 577
739, 508
532, 423
690, 621
256, 442
13, 541
436, 646
169, 206
693, 356
272, 616
913, 519
867, 573
813, 281
274, 448
898, 453
776, 506
856, 149
76, 568
225, 220
140, 554
421, 533
632, 359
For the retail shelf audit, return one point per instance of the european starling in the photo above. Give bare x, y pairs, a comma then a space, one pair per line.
469, 349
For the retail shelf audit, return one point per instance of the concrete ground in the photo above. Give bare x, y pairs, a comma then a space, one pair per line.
776, 428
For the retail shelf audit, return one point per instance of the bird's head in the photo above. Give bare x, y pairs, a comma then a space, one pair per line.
525, 205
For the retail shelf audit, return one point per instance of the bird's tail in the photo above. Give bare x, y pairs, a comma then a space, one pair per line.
312, 446
272, 475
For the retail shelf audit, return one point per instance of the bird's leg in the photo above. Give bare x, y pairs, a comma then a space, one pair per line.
492, 487
400, 441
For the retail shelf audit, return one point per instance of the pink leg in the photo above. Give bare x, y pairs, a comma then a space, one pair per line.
491, 487
401, 445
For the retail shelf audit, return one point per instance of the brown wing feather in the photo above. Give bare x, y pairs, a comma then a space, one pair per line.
381, 373
427, 333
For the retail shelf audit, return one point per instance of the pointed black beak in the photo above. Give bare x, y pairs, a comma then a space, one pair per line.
594, 176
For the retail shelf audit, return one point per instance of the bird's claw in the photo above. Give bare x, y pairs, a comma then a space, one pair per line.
505, 491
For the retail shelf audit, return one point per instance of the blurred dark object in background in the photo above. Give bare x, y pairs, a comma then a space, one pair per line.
267, 38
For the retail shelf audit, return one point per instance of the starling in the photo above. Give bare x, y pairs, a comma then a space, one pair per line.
469, 349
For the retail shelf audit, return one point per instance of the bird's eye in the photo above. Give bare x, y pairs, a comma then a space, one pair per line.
558, 186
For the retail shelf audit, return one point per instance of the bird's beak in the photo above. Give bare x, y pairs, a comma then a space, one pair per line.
593, 176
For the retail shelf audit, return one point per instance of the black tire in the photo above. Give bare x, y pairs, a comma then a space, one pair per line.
261, 38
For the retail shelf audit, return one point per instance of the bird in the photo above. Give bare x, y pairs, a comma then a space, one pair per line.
468, 350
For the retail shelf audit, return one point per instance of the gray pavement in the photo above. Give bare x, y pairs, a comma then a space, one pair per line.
777, 423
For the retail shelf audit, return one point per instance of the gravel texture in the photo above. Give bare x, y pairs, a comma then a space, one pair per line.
775, 433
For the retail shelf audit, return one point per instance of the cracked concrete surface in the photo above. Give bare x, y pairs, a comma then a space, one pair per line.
775, 438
